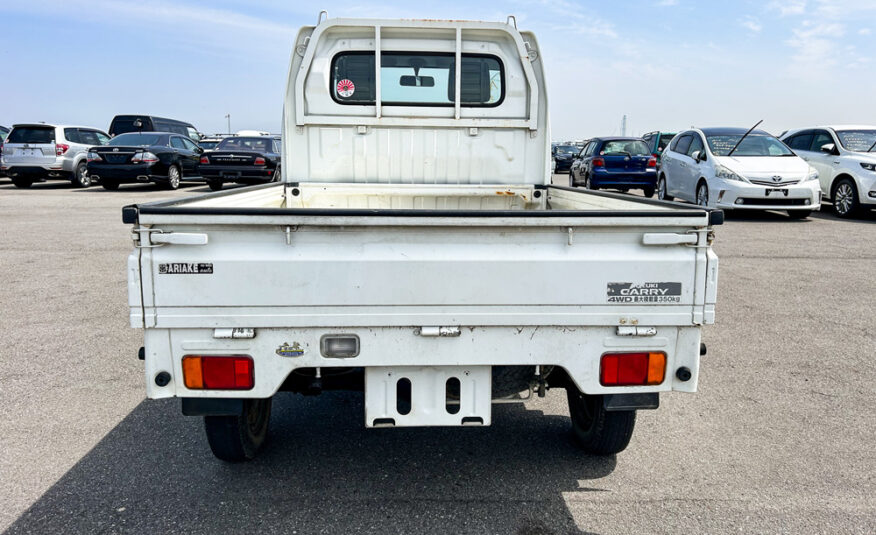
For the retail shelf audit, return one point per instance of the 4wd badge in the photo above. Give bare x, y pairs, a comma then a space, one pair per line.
285, 350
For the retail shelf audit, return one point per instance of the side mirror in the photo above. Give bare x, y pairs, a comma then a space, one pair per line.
829, 148
696, 155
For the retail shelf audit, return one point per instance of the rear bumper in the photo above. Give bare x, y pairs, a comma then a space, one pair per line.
563, 165
235, 173
634, 180
128, 173
801, 196
36, 172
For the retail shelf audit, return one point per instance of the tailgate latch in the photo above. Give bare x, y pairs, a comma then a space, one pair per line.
438, 331
635, 330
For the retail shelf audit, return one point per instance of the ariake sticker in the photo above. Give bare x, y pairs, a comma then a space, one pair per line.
346, 88
185, 269
646, 292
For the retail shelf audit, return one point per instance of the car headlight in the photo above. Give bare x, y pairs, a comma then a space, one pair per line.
813, 174
726, 174
869, 166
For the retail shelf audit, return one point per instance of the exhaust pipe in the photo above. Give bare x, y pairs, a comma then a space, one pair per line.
142, 178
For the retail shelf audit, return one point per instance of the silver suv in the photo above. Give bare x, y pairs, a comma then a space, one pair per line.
36, 152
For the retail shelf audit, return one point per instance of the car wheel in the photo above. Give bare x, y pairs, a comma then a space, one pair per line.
596, 430
278, 174
799, 214
661, 189
649, 192
80, 176
214, 185
587, 183
845, 198
238, 438
173, 177
22, 183
703, 194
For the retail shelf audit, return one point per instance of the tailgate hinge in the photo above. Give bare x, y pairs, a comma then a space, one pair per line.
158, 237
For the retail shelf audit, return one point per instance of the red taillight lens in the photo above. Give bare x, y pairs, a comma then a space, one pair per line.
259, 161
632, 369
598, 162
60, 149
652, 162
234, 372
205, 160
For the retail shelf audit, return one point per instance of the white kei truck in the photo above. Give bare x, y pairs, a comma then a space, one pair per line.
417, 251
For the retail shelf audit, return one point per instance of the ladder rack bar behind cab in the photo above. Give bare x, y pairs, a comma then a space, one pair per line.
302, 118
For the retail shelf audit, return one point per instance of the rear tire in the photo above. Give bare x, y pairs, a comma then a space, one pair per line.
649, 192
239, 438
214, 185
80, 176
799, 214
845, 198
22, 183
173, 177
278, 174
597, 431
109, 185
702, 195
661, 189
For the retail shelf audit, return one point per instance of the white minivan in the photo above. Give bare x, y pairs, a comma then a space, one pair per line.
734, 169
845, 157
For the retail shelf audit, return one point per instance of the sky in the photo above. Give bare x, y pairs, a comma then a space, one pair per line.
665, 64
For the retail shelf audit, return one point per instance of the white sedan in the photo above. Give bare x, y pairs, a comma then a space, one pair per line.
725, 168
845, 157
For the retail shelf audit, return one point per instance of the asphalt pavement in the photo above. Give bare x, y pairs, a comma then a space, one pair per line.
779, 439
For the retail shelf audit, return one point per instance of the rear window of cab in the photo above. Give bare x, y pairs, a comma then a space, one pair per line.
417, 79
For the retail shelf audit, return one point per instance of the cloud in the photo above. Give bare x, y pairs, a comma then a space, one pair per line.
751, 23
667, 3
788, 7
864, 31
817, 45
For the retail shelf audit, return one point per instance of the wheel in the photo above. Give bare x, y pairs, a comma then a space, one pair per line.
587, 183
649, 192
239, 438
22, 182
703, 194
278, 175
596, 430
661, 189
571, 179
215, 185
173, 177
109, 185
845, 198
80, 176
799, 214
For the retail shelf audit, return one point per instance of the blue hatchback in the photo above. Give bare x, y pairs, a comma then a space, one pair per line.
622, 163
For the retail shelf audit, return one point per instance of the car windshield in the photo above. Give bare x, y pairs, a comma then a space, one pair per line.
257, 144
208, 145
627, 147
567, 149
136, 140
753, 145
857, 140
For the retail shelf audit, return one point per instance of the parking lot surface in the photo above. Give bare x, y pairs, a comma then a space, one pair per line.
779, 438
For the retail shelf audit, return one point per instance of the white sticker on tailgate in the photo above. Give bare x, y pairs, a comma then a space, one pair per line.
646, 292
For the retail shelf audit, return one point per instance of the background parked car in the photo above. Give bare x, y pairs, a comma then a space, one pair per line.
622, 163
723, 168
657, 141
159, 157
3, 133
36, 152
564, 154
209, 143
245, 160
845, 157
123, 124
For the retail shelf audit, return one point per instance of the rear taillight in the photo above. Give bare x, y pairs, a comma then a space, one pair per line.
233, 372
259, 161
652, 162
144, 157
94, 157
61, 148
598, 162
632, 369
205, 160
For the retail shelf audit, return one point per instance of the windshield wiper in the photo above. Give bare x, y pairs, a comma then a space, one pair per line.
750, 130
871, 146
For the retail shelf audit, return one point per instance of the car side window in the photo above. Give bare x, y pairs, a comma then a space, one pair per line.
72, 135
588, 150
88, 137
683, 143
674, 143
102, 138
819, 138
800, 141
696, 144
189, 144
177, 142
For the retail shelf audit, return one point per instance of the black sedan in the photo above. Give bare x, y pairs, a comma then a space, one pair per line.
245, 160
564, 155
159, 157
